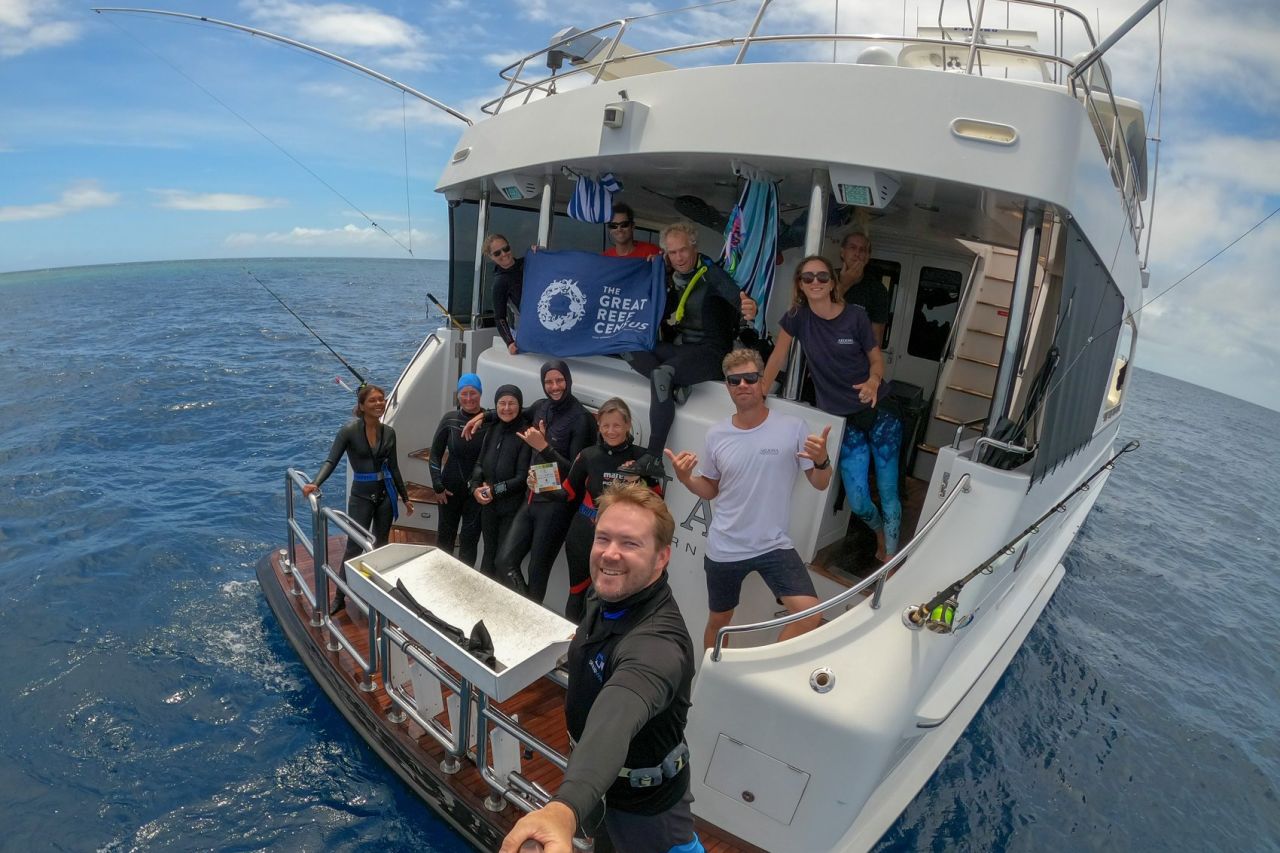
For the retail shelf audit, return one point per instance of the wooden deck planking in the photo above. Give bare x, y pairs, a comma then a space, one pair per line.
540, 708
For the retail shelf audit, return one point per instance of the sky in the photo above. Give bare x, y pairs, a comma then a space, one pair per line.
134, 138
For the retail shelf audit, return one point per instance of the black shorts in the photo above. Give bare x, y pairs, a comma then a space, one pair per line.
660, 833
783, 571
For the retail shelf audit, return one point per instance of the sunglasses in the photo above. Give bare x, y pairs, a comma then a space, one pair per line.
736, 379
504, 250
810, 277
614, 226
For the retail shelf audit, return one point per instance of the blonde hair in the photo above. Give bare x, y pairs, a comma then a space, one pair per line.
488, 241
742, 355
641, 497
614, 404
682, 226
858, 231
798, 297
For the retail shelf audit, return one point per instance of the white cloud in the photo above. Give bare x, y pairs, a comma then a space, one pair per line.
28, 25
80, 196
395, 43
226, 202
333, 239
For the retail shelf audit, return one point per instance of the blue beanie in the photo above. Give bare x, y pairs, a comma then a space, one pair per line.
469, 380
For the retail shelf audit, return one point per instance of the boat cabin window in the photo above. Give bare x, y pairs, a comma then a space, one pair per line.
937, 299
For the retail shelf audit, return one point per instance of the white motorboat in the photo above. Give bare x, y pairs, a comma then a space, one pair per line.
1006, 191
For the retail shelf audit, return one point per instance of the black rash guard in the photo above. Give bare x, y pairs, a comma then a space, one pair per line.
453, 458
508, 285
363, 459
504, 461
630, 673
597, 468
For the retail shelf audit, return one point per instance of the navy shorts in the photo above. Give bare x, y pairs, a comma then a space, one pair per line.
783, 571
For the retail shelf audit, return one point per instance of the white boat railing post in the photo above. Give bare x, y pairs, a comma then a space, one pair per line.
976, 21
1019, 308
814, 228
545, 215
755, 25
613, 47
477, 277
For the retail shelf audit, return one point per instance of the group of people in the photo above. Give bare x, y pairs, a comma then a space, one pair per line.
631, 661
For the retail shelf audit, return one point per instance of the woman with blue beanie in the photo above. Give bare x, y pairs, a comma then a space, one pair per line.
453, 458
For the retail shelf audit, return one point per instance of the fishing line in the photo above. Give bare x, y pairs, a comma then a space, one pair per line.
255, 129
1092, 338
345, 364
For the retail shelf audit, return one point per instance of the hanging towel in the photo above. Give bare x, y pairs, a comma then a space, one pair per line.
751, 243
593, 199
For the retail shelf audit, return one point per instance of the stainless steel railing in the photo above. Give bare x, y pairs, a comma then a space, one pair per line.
317, 545
1111, 137
876, 578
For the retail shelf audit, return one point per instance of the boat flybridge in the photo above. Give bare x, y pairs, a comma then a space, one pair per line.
1004, 189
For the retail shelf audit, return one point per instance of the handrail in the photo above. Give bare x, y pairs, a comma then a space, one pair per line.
877, 577
955, 442
494, 106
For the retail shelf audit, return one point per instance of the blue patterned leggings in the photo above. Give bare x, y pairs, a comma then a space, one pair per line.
856, 453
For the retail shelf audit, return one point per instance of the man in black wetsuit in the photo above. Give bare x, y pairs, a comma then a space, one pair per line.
704, 311
630, 672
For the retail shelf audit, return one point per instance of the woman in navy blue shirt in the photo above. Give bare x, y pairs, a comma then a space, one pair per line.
848, 376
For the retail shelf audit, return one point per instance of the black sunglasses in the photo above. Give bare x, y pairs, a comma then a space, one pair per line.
736, 379
614, 226
501, 251
809, 277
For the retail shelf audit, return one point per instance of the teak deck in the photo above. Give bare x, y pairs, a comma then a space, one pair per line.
411, 752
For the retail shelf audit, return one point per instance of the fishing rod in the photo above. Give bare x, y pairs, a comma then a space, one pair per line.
938, 614
345, 363
445, 312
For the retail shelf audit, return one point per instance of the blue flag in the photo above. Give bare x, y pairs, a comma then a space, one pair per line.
581, 303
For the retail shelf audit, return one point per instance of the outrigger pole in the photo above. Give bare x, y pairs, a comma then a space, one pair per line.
345, 363
254, 31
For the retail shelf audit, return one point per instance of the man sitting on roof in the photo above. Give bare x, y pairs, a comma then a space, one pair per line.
622, 231
700, 323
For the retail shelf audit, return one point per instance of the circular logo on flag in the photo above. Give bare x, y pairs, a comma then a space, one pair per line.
574, 312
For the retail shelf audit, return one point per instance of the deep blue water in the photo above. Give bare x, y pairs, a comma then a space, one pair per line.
151, 409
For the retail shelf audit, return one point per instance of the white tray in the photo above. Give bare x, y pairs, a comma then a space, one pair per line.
528, 639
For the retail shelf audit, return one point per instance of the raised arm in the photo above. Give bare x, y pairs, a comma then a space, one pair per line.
778, 358
684, 463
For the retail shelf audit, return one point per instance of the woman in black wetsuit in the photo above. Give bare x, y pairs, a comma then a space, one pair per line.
497, 482
508, 284
612, 459
453, 458
370, 446
560, 428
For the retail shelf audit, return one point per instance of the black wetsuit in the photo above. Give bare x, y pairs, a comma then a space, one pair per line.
692, 348
508, 285
595, 469
504, 465
539, 529
453, 458
368, 503
630, 671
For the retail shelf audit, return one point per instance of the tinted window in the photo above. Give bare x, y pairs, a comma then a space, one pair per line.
936, 300
887, 273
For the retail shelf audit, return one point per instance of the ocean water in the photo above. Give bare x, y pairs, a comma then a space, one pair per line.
152, 703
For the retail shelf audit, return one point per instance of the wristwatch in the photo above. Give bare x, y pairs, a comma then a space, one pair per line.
826, 463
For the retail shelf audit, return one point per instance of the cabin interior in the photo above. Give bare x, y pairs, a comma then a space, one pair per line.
946, 252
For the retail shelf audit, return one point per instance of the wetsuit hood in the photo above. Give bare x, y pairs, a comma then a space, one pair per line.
508, 391
566, 399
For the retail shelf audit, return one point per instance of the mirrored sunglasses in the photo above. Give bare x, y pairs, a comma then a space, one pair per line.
736, 379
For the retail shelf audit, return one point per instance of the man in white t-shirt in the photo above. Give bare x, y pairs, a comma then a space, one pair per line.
749, 469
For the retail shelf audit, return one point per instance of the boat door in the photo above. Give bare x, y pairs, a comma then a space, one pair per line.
924, 310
